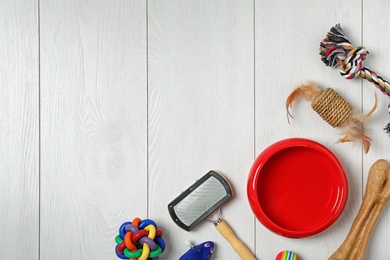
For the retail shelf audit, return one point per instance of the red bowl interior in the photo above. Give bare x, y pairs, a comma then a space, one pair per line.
297, 188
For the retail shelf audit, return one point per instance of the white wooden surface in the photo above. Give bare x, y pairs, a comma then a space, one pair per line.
110, 109
19, 130
93, 124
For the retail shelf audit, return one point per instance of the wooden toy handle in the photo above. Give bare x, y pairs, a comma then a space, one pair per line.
234, 241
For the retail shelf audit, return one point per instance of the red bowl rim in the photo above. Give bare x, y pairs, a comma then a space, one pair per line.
253, 184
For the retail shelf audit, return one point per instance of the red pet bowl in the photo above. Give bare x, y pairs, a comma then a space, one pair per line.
297, 188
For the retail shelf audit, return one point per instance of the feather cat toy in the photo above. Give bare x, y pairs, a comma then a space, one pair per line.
334, 110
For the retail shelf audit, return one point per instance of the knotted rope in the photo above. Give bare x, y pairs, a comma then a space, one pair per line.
337, 51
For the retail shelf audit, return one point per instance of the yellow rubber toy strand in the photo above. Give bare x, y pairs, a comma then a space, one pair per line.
152, 231
145, 252
146, 249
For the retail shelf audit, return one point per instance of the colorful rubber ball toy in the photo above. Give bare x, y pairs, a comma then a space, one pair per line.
139, 239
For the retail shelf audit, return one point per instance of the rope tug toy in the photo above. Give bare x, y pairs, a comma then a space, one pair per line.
337, 51
139, 239
334, 110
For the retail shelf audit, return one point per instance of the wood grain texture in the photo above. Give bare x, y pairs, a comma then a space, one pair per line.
19, 130
379, 61
110, 109
200, 111
93, 99
287, 47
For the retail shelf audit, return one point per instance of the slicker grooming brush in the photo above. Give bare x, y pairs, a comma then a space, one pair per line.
335, 110
197, 202
201, 199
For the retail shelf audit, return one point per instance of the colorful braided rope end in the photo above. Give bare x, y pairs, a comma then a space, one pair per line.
337, 51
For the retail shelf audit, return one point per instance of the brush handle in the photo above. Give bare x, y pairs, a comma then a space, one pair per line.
234, 241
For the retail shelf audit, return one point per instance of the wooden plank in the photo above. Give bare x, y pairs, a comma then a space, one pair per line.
287, 40
376, 40
94, 106
200, 111
19, 131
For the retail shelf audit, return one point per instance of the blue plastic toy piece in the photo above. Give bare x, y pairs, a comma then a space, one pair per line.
200, 252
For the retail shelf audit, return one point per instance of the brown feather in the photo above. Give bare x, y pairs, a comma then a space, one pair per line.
355, 128
308, 91
365, 117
